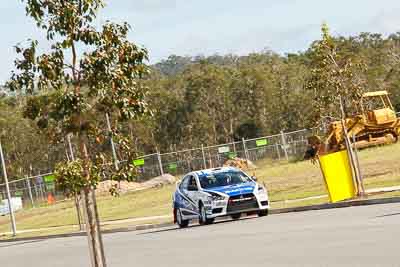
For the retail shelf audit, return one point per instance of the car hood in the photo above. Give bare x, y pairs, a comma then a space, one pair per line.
234, 190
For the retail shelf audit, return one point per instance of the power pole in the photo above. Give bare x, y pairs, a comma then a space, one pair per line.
204, 156
350, 151
160, 163
246, 153
77, 197
114, 152
71, 151
28, 184
284, 145
12, 216
361, 182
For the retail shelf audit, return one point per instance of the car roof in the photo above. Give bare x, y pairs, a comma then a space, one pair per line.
214, 170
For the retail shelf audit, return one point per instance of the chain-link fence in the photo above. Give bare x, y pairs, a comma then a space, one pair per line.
33, 190
283, 146
148, 166
37, 189
289, 146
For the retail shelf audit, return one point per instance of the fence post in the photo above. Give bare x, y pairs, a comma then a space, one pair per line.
12, 216
40, 190
36, 191
204, 156
277, 151
246, 153
284, 145
28, 184
160, 163
116, 162
210, 157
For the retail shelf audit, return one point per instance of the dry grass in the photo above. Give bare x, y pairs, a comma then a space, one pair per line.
152, 202
380, 167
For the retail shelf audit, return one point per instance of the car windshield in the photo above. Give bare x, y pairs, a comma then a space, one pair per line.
223, 179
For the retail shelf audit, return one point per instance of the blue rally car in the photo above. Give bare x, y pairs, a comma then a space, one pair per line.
207, 194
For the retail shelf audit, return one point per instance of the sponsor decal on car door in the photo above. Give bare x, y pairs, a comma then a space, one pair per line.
194, 193
189, 206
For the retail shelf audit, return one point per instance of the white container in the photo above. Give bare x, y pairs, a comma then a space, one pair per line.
16, 204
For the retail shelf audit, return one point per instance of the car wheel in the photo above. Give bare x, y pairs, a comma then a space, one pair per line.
203, 216
263, 213
180, 221
236, 216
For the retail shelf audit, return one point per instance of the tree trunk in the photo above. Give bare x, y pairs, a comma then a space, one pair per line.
96, 248
95, 240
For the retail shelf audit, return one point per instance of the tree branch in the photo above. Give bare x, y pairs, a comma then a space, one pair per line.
333, 60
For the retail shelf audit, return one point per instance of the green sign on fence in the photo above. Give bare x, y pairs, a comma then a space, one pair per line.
138, 162
19, 193
232, 155
172, 166
262, 142
49, 178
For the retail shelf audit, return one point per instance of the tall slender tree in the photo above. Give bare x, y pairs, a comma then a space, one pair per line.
86, 71
335, 77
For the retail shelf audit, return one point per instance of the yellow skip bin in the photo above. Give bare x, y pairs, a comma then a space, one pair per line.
338, 176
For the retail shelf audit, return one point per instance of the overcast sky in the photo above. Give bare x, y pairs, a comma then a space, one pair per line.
193, 27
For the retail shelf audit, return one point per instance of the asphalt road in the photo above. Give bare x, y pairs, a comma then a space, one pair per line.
356, 236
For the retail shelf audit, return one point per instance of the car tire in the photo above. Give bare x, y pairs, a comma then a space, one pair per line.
263, 213
236, 216
180, 221
203, 220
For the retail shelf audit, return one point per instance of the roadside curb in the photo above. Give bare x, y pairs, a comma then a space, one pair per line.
345, 204
83, 233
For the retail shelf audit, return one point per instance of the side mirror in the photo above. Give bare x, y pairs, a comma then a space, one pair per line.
254, 178
192, 187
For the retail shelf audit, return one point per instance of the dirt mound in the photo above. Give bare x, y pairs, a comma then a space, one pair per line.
159, 181
124, 186
240, 163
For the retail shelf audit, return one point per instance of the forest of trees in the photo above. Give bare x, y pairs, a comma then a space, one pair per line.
217, 99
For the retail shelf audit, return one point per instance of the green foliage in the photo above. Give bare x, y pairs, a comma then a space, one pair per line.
173, 65
105, 77
195, 100
334, 76
210, 103
67, 95
24, 144
72, 177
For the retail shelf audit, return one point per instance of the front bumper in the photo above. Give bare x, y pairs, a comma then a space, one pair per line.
229, 206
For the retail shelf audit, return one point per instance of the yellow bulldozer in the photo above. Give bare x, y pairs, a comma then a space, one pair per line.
376, 124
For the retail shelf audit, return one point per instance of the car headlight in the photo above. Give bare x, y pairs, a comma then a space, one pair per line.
261, 189
215, 197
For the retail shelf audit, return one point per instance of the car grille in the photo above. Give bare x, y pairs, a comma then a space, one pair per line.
242, 203
217, 210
